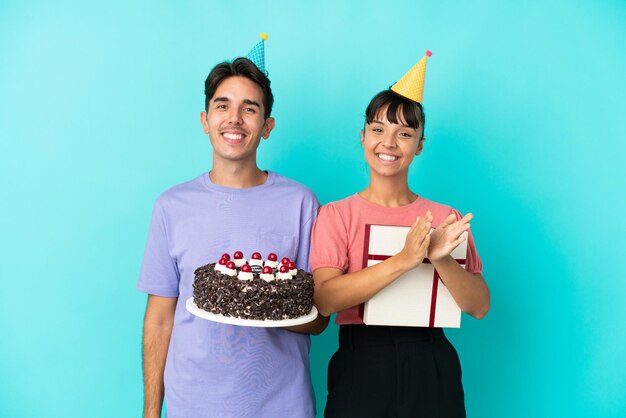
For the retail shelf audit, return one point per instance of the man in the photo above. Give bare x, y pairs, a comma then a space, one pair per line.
204, 368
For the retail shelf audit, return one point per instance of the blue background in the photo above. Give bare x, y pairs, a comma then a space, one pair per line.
99, 108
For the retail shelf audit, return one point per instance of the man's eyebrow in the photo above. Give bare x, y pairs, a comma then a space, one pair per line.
251, 102
246, 101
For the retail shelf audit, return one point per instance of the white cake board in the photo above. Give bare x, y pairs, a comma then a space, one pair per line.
201, 313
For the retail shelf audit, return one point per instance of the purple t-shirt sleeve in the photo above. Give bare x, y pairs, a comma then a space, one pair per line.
159, 274
304, 245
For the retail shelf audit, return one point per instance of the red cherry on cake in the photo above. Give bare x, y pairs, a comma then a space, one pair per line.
226, 256
267, 270
222, 262
256, 256
292, 265
284, 269
272, 257
285, 260
246, 268
238, 255
230, 265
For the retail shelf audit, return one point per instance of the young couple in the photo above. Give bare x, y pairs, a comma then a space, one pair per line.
207, 369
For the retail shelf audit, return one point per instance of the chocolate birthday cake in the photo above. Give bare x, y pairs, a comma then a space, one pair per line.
254, 289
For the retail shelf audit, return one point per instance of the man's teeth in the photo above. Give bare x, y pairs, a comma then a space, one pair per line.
234, 137
387, 157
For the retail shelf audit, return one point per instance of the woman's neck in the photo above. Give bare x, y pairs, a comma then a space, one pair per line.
388, 192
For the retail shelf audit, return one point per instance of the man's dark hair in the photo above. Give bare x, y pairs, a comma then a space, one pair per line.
241, 67
412, 112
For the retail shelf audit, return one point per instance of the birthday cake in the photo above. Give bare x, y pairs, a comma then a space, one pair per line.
253, 289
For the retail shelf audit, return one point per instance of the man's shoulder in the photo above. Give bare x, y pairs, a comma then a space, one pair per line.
293, 186
180, 190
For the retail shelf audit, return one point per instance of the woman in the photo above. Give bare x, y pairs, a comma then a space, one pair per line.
384, 371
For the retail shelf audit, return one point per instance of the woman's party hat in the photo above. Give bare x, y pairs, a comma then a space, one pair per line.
411, 85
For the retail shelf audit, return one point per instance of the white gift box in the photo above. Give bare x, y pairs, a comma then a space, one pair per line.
418, 298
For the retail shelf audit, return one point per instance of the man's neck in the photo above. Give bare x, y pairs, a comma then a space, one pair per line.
237, 176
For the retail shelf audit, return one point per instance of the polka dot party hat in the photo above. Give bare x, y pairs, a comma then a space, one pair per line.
257, 54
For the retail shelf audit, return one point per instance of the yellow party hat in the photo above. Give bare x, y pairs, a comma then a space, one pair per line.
411, 85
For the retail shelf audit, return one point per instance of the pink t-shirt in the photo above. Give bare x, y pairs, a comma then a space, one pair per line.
338, 235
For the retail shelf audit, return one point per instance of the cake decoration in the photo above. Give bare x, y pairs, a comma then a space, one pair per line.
292, 268
267, 274
272, 260
245, 273
256, 260
249, 292
221, 265
230, 269
238, 259
283, 273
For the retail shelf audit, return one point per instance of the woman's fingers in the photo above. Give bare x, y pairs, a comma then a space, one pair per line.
421, 220
458, 241
425, 244
450, 219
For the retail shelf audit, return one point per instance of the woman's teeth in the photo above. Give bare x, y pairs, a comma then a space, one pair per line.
387, 157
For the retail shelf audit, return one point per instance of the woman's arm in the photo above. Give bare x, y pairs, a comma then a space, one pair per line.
335, 291
469, 290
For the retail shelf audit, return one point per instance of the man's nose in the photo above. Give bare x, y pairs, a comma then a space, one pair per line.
234, 117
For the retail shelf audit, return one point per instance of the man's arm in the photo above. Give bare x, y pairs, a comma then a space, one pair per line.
157, 329
314, 327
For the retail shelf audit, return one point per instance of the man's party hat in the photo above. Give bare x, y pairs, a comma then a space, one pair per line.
411, 85
257, 54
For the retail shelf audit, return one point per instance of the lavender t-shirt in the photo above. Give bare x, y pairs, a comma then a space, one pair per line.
217, 370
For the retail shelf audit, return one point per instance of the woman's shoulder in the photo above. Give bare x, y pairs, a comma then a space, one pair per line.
439, 211
433, 206
341, 205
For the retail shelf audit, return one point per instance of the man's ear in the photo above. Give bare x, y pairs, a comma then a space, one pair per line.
420, 146
267, 128
362, 136
203, 121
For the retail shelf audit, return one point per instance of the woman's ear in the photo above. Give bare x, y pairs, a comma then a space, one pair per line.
362, 136
420, 146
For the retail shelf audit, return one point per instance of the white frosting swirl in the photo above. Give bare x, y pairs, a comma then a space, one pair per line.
256, 262
239, 262
245, 275
268, 277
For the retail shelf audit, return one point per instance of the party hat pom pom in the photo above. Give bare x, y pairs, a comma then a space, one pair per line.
264, 36
429, 54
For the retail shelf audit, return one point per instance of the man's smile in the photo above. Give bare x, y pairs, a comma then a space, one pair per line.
233, 137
